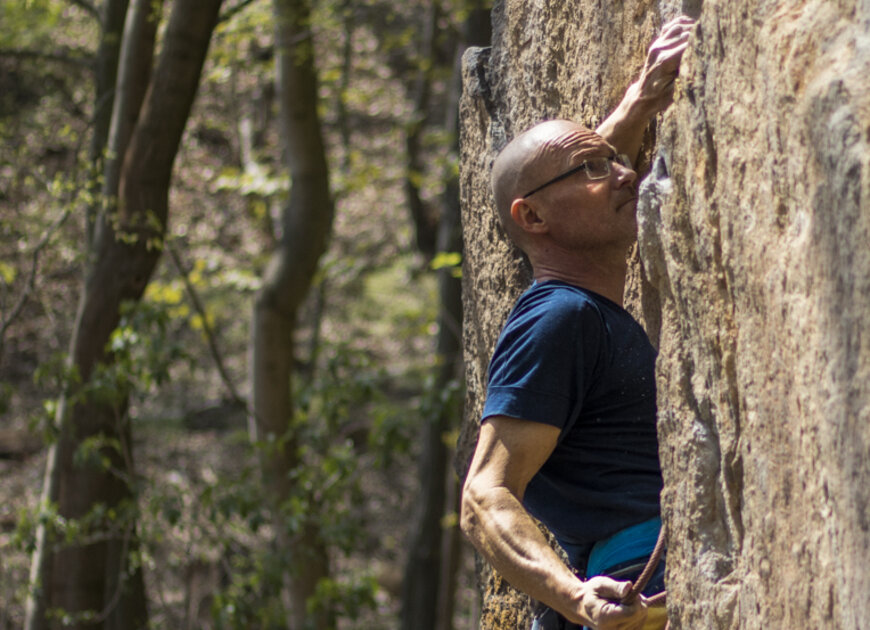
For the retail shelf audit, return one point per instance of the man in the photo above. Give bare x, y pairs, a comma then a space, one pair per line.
568, 431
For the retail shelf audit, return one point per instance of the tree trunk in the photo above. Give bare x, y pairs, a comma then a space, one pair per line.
88, 579
425, 221
134, 74
420, 605
427, 595
113, 17
305, 226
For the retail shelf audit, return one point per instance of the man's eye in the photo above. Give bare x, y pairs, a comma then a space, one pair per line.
597, 166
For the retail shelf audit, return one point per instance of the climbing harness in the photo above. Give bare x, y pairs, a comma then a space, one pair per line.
550, 620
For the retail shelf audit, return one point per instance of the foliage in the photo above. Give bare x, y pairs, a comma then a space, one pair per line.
366, 334
142, 350
234, 517
24, 24
448, 260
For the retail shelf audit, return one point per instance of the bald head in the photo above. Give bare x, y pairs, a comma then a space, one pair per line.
535, 156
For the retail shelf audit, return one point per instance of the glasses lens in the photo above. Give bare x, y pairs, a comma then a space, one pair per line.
597, 168
623, 159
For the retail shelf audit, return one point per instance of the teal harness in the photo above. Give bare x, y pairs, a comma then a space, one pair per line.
632, 543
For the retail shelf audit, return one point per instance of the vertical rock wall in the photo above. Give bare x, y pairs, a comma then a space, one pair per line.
760, 254
755, 280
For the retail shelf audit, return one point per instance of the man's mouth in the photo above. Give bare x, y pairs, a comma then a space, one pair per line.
629, 200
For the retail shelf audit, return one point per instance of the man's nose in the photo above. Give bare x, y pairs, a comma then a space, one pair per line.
623, 176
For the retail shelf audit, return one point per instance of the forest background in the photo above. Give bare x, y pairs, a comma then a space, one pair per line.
187, 516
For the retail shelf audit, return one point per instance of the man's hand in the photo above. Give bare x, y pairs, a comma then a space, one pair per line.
655, 87
598, 603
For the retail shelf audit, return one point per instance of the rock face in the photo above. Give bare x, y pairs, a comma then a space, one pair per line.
754, 280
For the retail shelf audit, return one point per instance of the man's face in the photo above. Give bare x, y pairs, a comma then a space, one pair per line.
584, 213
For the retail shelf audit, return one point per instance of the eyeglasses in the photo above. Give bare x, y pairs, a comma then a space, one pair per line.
596, 168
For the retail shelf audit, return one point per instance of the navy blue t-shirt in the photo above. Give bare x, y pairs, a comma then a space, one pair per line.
573, 359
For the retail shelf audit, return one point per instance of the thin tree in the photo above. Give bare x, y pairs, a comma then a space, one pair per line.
429, 582
90, 581
306, 222
112, 19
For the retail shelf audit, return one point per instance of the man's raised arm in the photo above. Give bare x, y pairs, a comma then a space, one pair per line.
651, 93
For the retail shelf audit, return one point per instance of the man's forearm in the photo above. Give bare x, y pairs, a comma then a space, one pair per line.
510, 540
624, 128
509, 452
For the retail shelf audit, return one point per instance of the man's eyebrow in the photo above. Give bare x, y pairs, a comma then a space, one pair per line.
592, 152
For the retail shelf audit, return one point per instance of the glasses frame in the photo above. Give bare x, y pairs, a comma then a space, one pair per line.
621, 158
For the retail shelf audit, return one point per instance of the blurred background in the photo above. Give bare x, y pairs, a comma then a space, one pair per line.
161, 465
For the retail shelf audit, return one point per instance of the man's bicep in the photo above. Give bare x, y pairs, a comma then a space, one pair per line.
510, 451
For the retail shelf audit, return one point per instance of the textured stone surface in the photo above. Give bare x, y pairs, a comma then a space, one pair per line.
760, 253
754, 232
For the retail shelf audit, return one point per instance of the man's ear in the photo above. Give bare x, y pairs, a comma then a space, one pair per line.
526, 216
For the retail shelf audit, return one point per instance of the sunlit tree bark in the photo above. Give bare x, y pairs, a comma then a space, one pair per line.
134, 75
112, 20
91, 580
305, 226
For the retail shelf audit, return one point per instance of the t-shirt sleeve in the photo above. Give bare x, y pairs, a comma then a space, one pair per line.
545, 361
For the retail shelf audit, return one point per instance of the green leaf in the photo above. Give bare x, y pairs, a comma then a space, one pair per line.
7, 272
446, 259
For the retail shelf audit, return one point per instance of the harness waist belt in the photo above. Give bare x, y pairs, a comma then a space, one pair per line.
631, 543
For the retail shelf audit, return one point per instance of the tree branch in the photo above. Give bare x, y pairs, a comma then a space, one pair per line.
79, 58
206, 327
31, 279
233, 11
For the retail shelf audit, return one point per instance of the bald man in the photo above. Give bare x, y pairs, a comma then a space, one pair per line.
568, 431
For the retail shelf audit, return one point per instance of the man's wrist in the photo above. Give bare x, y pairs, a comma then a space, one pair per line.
579, 615
624, 128
634, 109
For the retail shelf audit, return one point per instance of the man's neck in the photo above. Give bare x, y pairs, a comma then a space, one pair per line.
598, 274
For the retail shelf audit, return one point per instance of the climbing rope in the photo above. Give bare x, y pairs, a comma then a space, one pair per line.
647, 572
659, 599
